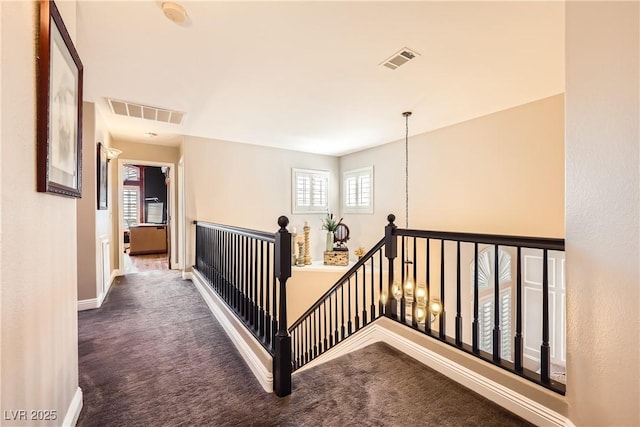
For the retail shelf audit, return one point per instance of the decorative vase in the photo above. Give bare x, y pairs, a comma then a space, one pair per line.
329, 247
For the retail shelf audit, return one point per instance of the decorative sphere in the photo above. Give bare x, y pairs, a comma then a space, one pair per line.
391, 218
283, 221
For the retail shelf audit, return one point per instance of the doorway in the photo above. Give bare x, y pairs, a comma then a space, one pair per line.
146, 234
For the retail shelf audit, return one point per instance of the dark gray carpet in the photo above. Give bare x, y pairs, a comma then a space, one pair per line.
153, 355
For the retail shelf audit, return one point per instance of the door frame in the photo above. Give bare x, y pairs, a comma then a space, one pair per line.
174, 261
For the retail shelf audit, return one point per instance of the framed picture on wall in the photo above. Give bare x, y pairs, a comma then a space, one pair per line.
102, 178
59, 114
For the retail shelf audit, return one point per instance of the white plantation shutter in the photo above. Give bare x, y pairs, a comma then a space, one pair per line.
310, 191
358, 190
486, 320
131, 173
486, 283
130, 205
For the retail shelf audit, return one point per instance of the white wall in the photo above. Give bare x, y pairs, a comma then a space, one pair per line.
39, 366
501, 174
250, 186
602, 212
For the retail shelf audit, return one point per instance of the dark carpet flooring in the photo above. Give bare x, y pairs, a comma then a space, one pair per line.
153, 355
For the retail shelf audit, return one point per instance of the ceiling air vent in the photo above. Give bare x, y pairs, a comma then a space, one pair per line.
130, 109
400, 58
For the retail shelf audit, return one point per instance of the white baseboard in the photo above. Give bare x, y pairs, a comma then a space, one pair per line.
230, 324
186, 275
503, 396
73, 412
90, 304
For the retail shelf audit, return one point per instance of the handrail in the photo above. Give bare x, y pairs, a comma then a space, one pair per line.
257, 234
248, 270
552, 244
436, 279
339, 282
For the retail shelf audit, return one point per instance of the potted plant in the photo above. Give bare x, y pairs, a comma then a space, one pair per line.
330, 224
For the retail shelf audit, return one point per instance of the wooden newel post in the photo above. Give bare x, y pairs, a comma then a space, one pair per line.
391, 252
282, 342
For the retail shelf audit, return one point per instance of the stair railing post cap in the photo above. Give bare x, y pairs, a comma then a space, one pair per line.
391, 218
283, 221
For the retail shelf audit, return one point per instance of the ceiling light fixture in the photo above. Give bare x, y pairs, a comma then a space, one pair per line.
174, 12
150, 134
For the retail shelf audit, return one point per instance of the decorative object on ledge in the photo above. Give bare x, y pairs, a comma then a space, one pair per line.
307, 255
336, 258
59, 114
300, 258
294, 242
331, 225
359, 252
341, 237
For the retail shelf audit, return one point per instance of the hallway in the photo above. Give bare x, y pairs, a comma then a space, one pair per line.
154, 355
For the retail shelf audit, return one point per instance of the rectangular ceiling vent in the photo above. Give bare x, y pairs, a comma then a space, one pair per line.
400, 58
130, 109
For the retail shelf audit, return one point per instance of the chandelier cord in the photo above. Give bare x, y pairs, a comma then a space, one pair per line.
406, 168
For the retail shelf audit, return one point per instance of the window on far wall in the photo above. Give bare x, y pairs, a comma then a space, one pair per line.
130, 205
358, 191
309, 191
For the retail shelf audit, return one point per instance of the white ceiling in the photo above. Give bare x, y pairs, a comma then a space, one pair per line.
306, 75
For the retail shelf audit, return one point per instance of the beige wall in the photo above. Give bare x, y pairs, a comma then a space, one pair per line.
499, 174
249, 186
141, 152
93, 225
38, 254
602, 213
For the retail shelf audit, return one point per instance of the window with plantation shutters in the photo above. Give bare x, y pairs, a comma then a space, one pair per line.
358, 190
309, 191
130, 205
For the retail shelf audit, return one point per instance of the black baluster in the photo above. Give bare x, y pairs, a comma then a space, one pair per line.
518, 344
342, 336
381, 306
496, 308
414, 299
349, 325
403, 278
442, 319
331, 323
372, 309
545, 354
475, 325
336, 335
324, 307
357, 317
364, 295
427, 321
314, 325
261, 313
458, 298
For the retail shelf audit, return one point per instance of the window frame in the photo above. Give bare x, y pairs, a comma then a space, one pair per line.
296, 206
357, 174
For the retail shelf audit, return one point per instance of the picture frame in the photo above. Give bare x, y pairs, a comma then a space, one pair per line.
59, 114
102, 178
